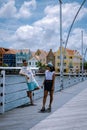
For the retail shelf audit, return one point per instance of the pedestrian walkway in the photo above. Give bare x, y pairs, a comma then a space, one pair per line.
69, 112
72, 116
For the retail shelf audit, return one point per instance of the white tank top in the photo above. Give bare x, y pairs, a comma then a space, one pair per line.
49, 75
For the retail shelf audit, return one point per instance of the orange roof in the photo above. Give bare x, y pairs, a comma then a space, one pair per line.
10, 51
70, 52
2, 51
7, 51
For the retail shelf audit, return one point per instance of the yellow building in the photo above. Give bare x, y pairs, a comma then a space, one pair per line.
71, 60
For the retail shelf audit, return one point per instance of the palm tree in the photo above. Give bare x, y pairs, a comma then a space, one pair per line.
41, 66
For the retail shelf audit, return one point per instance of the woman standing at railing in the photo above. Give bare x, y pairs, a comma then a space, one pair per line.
48, 83
31, 82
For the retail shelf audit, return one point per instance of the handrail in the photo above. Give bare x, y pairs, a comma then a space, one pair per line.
14, 93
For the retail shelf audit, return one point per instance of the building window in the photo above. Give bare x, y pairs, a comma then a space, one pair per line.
64, 64
35, 63
64, 57
29, 63
70, 57
58, 64
32, 63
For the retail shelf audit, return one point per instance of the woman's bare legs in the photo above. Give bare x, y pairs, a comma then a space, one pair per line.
51, 98
44, 100
29, 94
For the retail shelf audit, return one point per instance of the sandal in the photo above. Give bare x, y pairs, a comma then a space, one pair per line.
49, 109
43, 109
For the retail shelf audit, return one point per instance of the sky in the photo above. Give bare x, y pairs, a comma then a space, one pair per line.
35, 24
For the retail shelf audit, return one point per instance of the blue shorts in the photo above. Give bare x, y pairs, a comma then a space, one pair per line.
32, 85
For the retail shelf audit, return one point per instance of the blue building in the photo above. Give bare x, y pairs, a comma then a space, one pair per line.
22, 54
9, 58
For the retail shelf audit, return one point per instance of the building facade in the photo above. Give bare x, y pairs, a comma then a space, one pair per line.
42, 55
2, 52
9, 58
32, 63
50, 58
21, 55
71, 60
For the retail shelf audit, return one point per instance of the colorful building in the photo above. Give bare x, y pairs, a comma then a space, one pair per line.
22, 54
42, 55
50, 57
71, 60
33, 61
9, 58
2, 52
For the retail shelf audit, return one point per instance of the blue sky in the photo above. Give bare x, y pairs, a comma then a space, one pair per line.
35, 24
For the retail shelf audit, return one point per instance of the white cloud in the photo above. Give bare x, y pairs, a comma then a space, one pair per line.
9, 10
69, 12
75, 40
25, 10
44, 33
27, 32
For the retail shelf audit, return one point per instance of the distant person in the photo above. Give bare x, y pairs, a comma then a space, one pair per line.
48, 86
30, 80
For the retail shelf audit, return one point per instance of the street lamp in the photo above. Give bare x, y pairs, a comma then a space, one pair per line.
61, 54
83, 2
73, 23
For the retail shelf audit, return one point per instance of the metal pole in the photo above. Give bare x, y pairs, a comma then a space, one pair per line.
73, 22
85, 53
61, 54
82, 55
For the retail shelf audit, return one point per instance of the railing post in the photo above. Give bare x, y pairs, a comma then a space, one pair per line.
79, 76
75, 77
69, 77
2, 92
